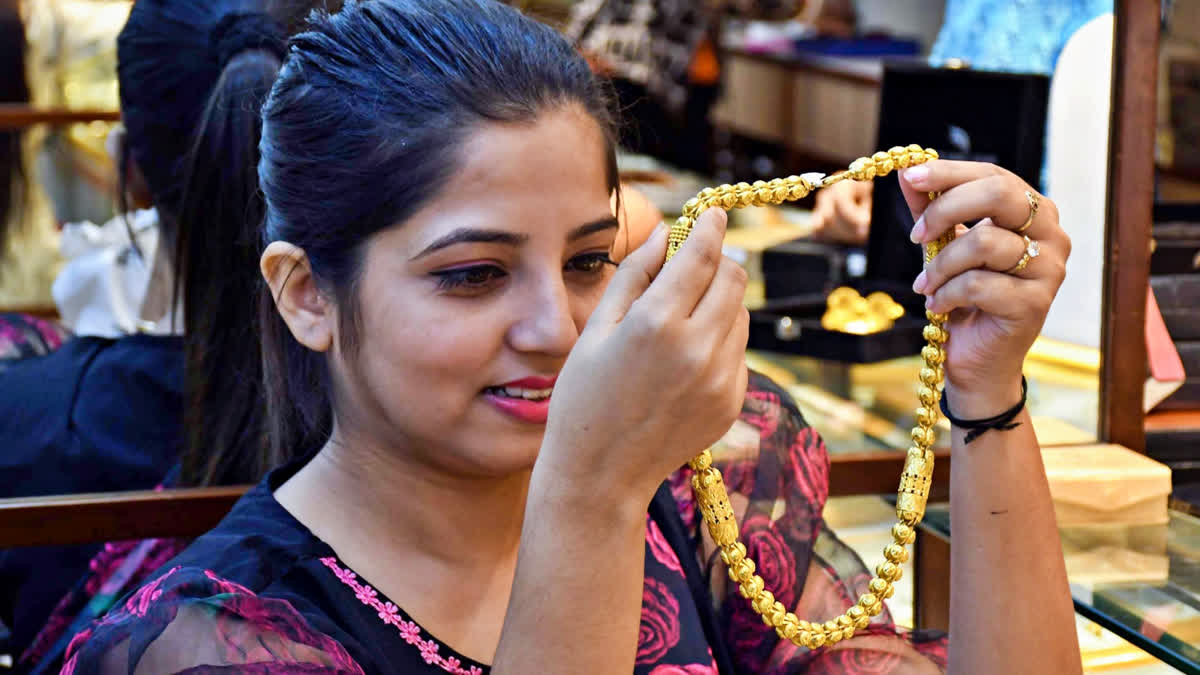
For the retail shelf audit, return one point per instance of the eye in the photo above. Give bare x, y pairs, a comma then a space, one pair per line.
469, 279
590, 263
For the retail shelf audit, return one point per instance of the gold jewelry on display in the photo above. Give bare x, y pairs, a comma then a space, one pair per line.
707, 482
849, 312
1033, 208
1032, 250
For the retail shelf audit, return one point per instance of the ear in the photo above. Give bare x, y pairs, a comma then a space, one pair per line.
304, 308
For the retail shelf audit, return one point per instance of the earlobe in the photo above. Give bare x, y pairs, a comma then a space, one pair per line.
301, 304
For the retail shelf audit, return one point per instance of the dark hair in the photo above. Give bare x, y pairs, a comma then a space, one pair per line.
13, 89
193, 75
362, 127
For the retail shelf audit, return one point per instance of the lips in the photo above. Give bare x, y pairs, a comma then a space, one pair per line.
526, 400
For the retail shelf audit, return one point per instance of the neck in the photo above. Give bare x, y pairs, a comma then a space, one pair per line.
392, 501
430, 540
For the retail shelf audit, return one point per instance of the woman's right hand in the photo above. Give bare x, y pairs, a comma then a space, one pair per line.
659, 372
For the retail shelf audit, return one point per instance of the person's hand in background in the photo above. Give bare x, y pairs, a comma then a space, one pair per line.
843, 213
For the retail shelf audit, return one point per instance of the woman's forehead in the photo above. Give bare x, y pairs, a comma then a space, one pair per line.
563, 146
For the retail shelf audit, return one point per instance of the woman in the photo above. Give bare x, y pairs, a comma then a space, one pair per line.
495, 418
105, 413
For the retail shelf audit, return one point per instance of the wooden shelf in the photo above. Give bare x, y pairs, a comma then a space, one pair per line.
20, 116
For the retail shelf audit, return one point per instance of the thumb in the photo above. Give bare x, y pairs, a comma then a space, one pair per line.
916, 199
633, 277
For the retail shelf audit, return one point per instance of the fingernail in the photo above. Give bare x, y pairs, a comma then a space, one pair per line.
929, 302
916, 175
919, 284
918, 231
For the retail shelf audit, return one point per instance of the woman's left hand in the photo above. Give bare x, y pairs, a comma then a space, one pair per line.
996, 311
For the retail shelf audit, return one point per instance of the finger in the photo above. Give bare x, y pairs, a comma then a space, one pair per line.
984, 246
940, 175
936, 176
1001, 295
682, 282
633, 276
722, 302
1001, 198
917, 200
728, 372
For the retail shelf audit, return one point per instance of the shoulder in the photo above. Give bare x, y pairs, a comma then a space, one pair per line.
190, 616
256, 544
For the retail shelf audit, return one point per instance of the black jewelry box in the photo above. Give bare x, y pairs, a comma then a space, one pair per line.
963, 114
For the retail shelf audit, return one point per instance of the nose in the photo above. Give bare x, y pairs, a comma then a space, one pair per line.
545, 324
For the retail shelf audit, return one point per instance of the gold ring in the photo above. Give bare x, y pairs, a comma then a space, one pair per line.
1033, 208
1032, 250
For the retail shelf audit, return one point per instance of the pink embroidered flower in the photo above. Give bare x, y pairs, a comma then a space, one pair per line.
659, 547
659, 630
390, 613
366, 594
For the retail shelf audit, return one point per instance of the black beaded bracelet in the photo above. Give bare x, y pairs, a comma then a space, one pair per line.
1001, 422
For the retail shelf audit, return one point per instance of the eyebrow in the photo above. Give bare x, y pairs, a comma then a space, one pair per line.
609, 223
478, 236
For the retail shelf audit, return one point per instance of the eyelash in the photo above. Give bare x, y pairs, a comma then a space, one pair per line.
479, 277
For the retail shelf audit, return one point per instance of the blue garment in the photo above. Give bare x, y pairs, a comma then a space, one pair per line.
1020, 36
96, 415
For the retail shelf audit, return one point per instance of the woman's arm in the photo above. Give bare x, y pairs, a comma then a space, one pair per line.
1010, 605
658, 375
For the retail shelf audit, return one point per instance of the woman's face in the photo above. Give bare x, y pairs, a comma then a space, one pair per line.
469, 308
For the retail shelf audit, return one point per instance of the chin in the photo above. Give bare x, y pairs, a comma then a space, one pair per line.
499, 455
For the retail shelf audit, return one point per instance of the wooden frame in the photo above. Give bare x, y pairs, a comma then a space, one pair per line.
19, 116
1130, 217
85, 518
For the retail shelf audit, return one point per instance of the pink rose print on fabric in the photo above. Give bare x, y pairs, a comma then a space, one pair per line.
761, 409
659, 631
858, 661
659, 548
775, 560
140, 602
690, 669
809, 462
680, 484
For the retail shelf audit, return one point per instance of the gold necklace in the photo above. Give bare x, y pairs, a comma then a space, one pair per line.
709, 486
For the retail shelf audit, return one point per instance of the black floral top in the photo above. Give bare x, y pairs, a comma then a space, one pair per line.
262, 594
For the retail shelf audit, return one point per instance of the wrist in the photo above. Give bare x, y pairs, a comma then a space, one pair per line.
585, 500
982, 400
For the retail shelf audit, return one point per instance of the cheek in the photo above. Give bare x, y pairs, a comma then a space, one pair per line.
586, 297
418, 351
